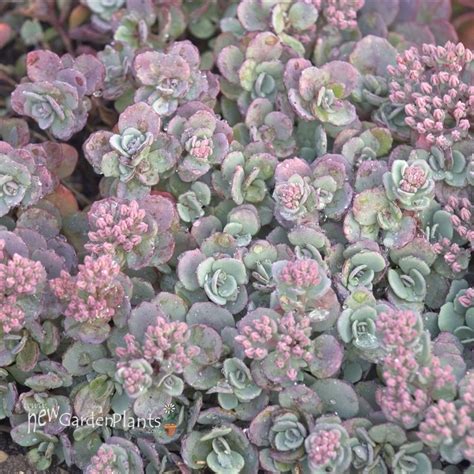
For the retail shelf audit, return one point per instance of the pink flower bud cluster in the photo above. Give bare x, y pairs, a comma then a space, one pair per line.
115, 227
399, 328
462, 217
438, 103
94, 293
342, 14
290, 195
455, 256
323, 447
20, 278
409, 384
450, 423
135, 376
166, 343
103, 461
289, 338
301, 273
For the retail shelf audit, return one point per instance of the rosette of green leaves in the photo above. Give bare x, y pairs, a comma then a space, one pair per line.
407, 283
169, 78
117, 62
243, 223
356, 324
371, 56
364, 265
368, 145
24, 178
256, 74
258, 260
273, 128
410, 457
342, 460
205, 139
292, 296
135, 157
223, 450
56, 97
244, 174
222, 279
104, 8
279, 433
191, 203
409, 184
321, 93
238, 386
455, 317
293, 192
448, 166
332, 192
124, 457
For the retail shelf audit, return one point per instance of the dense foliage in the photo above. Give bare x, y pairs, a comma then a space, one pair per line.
235, 236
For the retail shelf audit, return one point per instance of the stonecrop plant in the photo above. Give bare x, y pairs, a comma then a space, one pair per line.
236, 236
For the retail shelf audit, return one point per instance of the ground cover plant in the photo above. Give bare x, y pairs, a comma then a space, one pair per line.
236, 236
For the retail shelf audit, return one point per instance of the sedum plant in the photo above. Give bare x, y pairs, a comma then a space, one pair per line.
236, 237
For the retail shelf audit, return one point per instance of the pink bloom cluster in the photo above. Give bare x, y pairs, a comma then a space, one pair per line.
414, 177
438, 103
289, 338
342, 14
461, 217
115, 226
455, 256
94, 293
409, 385
102, 462
449, 423
323, 447
20, 277
166, 343
135, 376
290, 195
301, 273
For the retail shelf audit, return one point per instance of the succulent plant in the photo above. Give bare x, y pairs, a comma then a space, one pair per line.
456, 315
328, 447
317, 93
263, 264
410, 185
135, 157
136, 234
204, 138
117, 454
175, 81
24, 178
281, 432
221, 450
56, 97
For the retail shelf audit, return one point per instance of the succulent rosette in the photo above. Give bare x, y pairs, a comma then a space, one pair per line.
281, 434
222, 449
270, 126
56, 97
328, 448
409, 184
204, 138
24, 178
170, 78
137, 156
244, 175
221, 279
116, 455
320, 93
